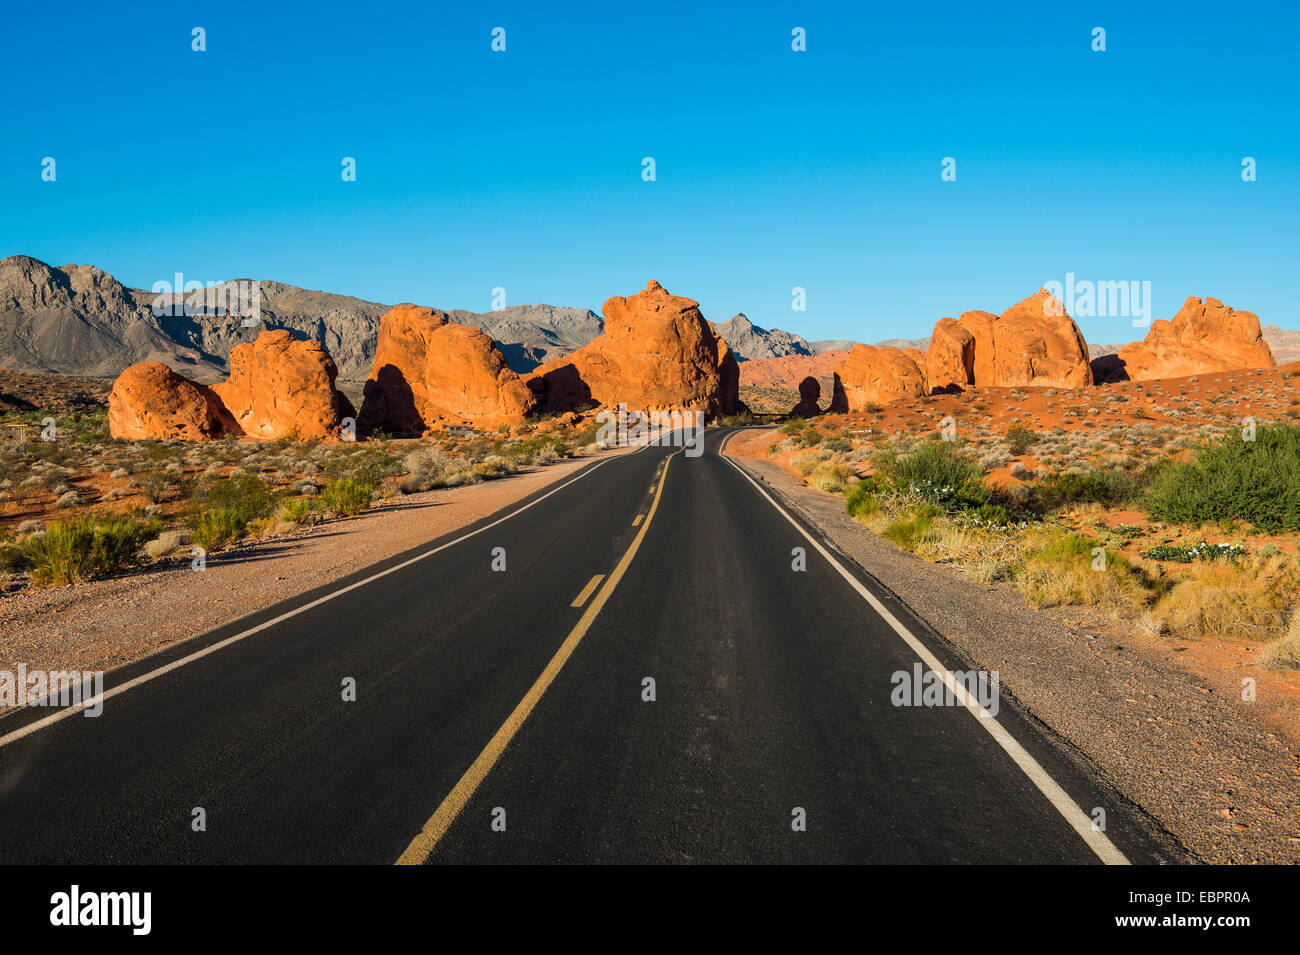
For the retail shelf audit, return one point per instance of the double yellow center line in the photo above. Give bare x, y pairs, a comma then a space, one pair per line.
423, 845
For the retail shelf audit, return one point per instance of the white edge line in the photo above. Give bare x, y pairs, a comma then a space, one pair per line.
1078, 820
63, 714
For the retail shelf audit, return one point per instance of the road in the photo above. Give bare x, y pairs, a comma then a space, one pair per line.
494, 721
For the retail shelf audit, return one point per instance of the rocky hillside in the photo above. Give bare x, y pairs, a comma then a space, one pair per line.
79, 320
748, 342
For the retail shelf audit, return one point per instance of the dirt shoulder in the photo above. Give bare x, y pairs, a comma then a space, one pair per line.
1209, 768
106, 623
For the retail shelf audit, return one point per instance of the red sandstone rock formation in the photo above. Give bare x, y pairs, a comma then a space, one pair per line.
149, 400
1032, 343
279, 386
1205, 336
950, 360
657, 353
430, 372
877, 375
810, 390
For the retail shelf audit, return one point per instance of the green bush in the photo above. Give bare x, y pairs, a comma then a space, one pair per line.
1233, 479
1112, 487
935, 464
1182, 554
295, 510
993, 514
1021, 438
87, 547
862, 498
908, 532
245, 496
347, 497
833, 476
218, 527
810, 437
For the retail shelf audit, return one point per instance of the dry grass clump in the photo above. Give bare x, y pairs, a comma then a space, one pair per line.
1227, 600
1284, 654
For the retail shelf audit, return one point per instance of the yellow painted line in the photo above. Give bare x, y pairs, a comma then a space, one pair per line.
637, 520
423, 845
581, 599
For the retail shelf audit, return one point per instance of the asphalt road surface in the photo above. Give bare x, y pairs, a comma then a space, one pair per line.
497, 721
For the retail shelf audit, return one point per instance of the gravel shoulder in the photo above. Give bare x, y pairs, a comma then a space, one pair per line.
106, 623
1186, 750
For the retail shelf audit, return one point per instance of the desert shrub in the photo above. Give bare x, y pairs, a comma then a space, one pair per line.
862, 499
1185, 554
1233, 479
164, 544
934, 464
218, 527
837, 445
429, 468
244, 495
1021, 438
493, 466
71, 551
832, 476
1285, 653
793, 426
347, 497
541, 450
369, 465
1113, 487
295, 510
908, 532
1058, 569
1228, 600
993, 514
810, 437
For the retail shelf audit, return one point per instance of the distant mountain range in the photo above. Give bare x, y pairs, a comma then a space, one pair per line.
748, 342
79, 320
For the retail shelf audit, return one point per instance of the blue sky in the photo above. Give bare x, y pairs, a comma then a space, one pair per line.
775, 168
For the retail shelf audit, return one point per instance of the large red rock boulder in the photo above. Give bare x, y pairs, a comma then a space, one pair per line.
876, 375
280, 386
1032, 343
1205, 336
657, 353
950, 360
430, 372
149, 400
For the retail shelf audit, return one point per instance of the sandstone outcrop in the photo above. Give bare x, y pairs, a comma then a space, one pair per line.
950, 360
810, 390
1205, 336
281, 386
1034, 342
149, 400
431, 372
872, 375
657, 353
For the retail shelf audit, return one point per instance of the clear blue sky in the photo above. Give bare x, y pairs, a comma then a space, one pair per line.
775, 169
